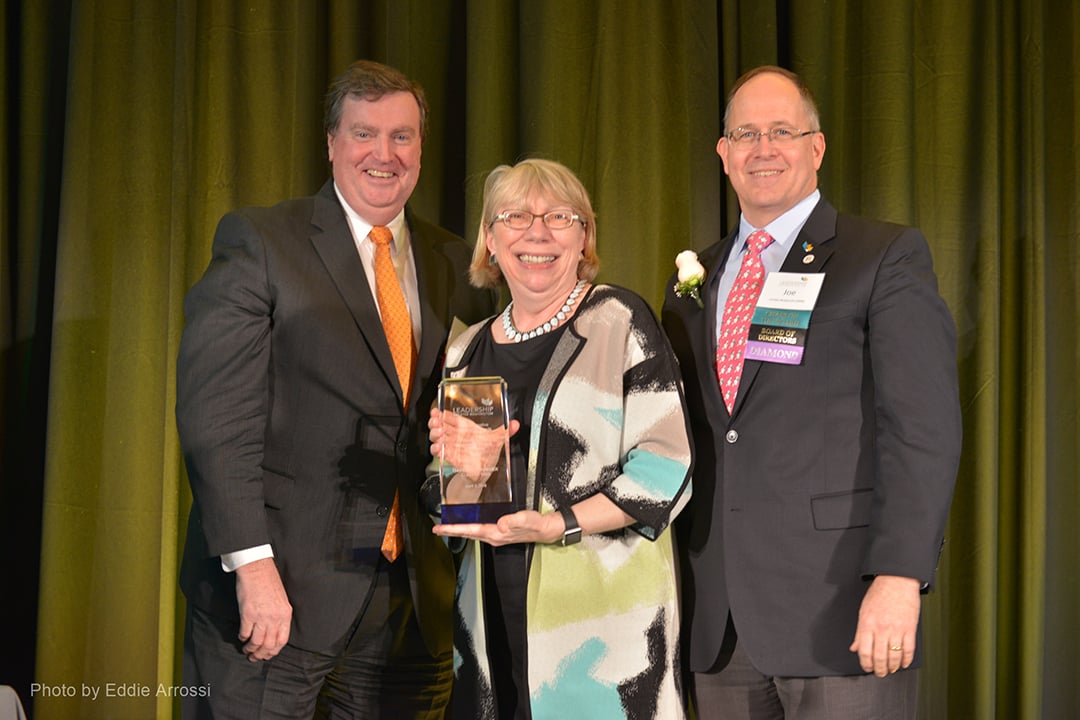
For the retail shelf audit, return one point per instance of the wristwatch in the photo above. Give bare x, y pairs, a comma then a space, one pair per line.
572, 533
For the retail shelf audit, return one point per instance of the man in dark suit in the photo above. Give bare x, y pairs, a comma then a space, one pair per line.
821, 489
314, 582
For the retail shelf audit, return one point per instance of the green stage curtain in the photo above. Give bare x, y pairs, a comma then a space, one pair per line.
130, 127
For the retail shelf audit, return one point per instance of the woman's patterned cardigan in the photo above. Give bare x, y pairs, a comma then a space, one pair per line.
602, 615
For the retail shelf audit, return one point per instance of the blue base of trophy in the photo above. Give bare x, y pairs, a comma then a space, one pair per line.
475, 512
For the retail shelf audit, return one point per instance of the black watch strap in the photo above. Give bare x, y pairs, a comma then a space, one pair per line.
572, 533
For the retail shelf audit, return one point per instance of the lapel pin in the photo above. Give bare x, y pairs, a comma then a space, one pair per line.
807, 246
808, 259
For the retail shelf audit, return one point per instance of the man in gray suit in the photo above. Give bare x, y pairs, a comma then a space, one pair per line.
314, 582
821, 487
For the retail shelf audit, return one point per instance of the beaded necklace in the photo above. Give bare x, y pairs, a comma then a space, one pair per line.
517, 336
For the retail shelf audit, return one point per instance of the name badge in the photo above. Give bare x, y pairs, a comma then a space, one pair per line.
782, 317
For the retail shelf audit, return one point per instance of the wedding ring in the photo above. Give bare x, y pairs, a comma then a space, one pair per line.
896, 648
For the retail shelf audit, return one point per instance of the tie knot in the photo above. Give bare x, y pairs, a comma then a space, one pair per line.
381, 235
759, 240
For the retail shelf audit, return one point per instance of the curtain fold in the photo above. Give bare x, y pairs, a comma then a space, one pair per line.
626, 99
130, 128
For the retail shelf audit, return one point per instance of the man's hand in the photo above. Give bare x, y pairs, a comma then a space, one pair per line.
265, 612
888, 618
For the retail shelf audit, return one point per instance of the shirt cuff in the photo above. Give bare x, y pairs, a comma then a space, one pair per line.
231, 561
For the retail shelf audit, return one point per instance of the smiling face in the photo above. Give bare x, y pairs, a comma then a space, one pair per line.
538, 264
375, 152
769, 177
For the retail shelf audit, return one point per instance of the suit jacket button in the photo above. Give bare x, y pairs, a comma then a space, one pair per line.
403, 447
382, 511
732, 436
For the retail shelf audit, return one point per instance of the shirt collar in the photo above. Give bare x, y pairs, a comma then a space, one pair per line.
785, 228
362, 227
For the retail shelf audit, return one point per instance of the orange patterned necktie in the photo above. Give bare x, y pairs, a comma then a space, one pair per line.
399, 335
738, 311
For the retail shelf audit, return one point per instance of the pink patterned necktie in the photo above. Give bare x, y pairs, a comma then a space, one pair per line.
738, 311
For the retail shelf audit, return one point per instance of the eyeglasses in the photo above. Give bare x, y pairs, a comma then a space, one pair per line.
744, 137
523, 220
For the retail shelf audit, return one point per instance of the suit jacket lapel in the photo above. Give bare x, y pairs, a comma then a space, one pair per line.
814, 241
433, 279
333, 241
713, 259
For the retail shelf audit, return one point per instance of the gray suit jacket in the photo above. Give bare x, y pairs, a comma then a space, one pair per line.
826, 473
290, 414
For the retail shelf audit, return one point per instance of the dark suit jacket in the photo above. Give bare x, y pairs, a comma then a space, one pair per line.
290, 414
828, 472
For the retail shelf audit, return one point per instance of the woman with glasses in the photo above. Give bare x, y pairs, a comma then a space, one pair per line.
566, 606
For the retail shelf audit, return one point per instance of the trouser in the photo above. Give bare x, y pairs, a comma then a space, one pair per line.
381, 668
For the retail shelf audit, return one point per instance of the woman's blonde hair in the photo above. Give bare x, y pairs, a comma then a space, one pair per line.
510, 187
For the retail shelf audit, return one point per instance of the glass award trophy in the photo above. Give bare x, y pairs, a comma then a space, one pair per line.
474, 467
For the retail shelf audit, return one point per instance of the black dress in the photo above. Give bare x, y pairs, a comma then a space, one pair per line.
506, 568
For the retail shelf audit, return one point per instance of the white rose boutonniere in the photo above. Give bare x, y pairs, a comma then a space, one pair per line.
691, 276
